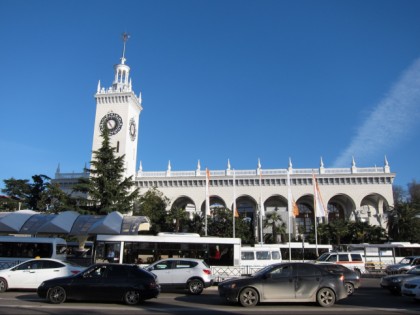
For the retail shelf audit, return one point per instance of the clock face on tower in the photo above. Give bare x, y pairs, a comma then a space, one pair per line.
113, 122
133, 129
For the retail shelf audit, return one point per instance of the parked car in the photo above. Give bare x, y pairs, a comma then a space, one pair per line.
103, 282
30, 273
351, 278
411, 287
185, 273
286, 282
352, 260
393, 282
403, 266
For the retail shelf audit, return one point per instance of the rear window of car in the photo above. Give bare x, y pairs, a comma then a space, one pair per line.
52, 264
117, 272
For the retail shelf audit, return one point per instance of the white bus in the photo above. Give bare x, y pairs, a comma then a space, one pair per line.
300, 251
15, 249
380, 255
260, 255
145, 249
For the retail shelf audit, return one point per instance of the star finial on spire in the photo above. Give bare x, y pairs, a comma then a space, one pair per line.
125, 37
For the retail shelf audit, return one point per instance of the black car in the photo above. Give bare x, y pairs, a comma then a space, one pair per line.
286, 282
393, 282
351, 278
107, 282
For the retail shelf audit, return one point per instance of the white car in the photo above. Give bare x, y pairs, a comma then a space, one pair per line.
185, 273
31, 273
411, 288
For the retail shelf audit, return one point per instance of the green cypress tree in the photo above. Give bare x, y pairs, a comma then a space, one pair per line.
107, 188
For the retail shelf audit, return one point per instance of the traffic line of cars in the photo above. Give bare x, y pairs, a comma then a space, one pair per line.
403, 278
58, 281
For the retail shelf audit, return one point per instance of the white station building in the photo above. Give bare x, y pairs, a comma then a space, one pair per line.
352, 193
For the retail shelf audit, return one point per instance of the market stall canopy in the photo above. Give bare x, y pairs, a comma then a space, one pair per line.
71, 223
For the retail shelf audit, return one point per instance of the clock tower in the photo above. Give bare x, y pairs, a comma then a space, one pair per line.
118, 109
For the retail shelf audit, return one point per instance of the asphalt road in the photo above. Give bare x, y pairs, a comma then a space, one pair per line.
369, 299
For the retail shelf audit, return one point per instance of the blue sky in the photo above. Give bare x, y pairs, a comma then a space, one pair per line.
220, 79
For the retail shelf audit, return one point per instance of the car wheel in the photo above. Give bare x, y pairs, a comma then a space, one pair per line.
195, 286
248, 297
56, 295
325, 297
3, 285
350, 288
132, 297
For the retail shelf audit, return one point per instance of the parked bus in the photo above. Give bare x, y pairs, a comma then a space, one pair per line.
260, 256
15, 249
303, 251
385, 254
145, 249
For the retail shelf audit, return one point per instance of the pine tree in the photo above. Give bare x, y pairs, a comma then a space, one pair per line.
107, 188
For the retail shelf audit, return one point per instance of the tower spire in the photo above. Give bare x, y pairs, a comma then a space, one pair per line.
122, 81
125, 37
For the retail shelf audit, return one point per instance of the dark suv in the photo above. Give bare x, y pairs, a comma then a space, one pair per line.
103, 282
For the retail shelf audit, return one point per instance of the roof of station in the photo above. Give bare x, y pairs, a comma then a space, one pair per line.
71, 223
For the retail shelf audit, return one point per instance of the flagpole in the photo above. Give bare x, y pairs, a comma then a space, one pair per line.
315, 213
207, 201
289, 206
234, 203
261, 211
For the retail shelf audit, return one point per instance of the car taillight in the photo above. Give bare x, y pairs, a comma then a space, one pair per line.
207, 271
75, 272
342, 278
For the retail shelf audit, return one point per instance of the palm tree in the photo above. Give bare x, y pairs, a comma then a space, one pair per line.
176, 217
403, 222
278, 227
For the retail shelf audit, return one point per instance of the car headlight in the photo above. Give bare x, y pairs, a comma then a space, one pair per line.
42, 284
395, 280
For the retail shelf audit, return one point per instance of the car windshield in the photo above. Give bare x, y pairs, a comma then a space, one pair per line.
323, 257
406, 260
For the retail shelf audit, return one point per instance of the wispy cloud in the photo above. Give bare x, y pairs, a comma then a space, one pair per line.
390, 121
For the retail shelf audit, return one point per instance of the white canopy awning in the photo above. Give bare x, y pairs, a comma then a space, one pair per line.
71, 223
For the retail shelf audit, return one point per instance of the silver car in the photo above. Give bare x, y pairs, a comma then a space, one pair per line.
185, 273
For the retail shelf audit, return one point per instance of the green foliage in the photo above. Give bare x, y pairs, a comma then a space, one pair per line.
41, 194
278, 227
196, 224
107, 188
404, 222
176, 219
220, 224
153, 204
339, 232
